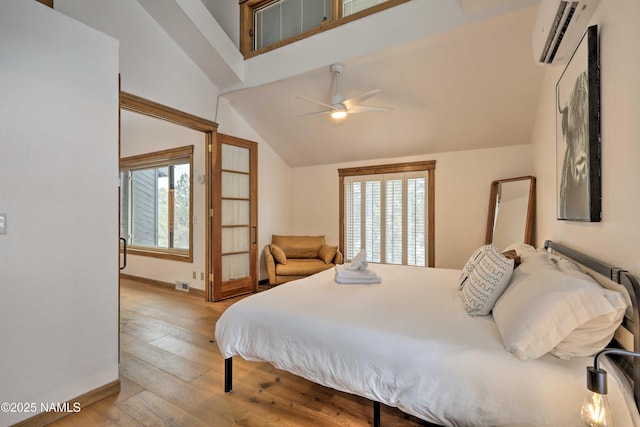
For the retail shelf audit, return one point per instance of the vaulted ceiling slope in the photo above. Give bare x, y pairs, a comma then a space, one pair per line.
463, 80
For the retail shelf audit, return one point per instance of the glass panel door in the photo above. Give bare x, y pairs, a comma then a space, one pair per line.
237, 217
236, 227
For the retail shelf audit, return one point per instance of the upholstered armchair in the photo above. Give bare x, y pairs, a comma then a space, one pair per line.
294, 257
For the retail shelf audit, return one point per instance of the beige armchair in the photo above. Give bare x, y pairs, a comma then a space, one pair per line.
294, 257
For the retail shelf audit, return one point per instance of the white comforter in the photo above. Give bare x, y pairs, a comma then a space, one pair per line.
409, 343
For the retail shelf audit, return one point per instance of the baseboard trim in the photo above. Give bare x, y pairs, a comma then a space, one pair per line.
84, 400
160, 283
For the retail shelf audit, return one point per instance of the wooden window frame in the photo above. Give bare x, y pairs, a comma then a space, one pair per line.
248, 7
157, 158
429, 166
46, 3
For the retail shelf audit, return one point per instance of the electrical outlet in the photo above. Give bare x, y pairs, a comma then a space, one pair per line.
3, 223
194, 274
182, 286
201, 276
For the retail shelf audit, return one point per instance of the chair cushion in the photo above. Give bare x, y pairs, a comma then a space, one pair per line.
301, 267
327, 253
299, 246
278, 254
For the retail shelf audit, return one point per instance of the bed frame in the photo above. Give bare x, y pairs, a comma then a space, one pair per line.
630, 366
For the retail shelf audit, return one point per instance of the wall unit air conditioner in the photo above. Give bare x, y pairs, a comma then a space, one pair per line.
558, 29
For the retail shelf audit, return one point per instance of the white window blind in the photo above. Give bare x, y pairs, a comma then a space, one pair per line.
353, 204
281, 19
386, 214
416, 223
373, 220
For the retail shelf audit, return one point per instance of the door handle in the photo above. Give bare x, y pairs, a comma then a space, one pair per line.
255, 235
124, 257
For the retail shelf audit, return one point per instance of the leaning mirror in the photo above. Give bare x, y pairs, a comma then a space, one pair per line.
511, 211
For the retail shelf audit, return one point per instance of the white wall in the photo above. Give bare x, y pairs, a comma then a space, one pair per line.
615, 239
227, 13
142, 134
58, 186
151, 63
463, 183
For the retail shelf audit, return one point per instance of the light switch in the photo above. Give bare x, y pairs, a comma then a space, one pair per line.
3, 223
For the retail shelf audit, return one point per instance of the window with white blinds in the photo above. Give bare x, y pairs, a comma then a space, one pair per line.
268, 24
283, 19
387, 214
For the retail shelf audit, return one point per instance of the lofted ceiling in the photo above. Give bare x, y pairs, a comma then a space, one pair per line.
469, 88
464, 80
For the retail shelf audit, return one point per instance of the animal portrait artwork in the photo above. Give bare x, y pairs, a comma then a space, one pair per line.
574, 178
578, 134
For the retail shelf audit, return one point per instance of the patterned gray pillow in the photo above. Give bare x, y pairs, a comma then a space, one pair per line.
486, 282
471, 263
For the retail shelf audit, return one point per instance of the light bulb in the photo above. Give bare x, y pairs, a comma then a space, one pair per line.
595, 410
339, 114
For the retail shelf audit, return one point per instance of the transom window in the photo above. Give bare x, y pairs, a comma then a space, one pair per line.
269, 24
388, 210
156, 203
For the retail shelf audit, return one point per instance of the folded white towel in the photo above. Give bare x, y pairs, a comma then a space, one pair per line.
359, 262
345, 273
361, 281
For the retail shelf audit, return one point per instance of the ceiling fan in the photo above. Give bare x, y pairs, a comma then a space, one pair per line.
341, 107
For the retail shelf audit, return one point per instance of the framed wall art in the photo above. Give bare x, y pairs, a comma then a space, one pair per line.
578, 134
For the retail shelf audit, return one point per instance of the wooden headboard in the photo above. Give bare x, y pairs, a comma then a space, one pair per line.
628, 336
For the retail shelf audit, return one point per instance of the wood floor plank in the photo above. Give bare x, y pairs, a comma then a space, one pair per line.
161, 383
169, 362
102, 413
205, 357
166, 328
139, 331
128, 388
151, 410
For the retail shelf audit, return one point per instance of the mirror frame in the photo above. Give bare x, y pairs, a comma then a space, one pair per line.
528, 232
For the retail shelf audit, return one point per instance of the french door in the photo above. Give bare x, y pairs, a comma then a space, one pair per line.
235, 217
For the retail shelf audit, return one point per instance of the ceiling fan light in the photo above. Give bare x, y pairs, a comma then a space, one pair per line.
338, 114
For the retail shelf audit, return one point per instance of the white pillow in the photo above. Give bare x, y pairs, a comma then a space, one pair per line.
486, 282
520, 248
590, 338
539, 311
475, 257
594, 335
532, 262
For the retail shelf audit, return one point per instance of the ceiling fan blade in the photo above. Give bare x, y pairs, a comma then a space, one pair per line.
352, 102
368, 109
316, 102
315, 113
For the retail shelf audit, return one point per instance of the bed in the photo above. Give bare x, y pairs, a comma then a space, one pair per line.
409, 343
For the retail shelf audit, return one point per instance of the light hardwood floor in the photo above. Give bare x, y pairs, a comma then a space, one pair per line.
172, 375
